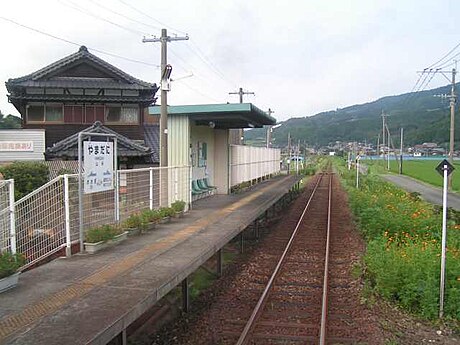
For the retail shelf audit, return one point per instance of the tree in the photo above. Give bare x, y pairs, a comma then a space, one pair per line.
9, 121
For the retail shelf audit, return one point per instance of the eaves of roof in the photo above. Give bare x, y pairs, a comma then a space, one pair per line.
75, 98
69, 145
74, 82
82, 54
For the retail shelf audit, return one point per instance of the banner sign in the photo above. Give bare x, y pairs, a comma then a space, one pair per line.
27, 146
98, 166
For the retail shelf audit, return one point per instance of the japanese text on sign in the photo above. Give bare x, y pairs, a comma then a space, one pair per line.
98, 166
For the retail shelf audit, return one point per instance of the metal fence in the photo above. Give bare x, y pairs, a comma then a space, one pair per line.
48, 219
250, 163
7, 233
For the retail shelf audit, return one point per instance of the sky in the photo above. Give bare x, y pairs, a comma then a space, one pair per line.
299, 57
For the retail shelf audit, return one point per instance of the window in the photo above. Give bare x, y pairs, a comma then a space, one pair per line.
76, 91
131, 93
92, 92
109, 92
35, 113
48, 112
54, 91
116, 114
54, 113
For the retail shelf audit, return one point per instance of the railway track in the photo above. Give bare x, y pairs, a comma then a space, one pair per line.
291, 310
305, 299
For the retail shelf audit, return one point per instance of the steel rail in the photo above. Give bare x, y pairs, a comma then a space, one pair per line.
322, 337
255, 314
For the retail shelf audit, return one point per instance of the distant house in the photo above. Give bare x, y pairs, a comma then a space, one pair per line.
73, 93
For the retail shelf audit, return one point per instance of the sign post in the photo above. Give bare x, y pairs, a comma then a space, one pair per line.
357, 171
444, 169
97, 170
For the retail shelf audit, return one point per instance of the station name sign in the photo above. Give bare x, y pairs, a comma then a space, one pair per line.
98, 166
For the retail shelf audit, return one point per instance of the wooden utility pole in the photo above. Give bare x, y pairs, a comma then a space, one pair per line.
241, 93
383, 136
453, 100
401, 153
165, 74
164, 39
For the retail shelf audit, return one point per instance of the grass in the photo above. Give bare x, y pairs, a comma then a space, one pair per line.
402, 260
422, 170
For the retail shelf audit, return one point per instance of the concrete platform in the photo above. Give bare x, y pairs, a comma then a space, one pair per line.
90, 299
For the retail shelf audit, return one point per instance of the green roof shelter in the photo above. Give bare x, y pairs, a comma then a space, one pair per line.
199, 135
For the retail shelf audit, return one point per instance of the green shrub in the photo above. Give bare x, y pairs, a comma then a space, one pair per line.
151, 216
135, 220
10, 263
27, 176
178, 206
166, 212
102, 233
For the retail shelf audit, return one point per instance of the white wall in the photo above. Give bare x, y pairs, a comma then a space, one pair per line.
22, 137
249, 163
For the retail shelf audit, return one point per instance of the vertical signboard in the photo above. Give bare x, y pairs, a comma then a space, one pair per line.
98, 166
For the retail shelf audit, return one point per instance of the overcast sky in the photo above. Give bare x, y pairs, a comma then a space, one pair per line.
299, 57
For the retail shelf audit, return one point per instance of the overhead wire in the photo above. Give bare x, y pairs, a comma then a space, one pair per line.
78, 8
124, 16
150, 17
197, 51
78, 44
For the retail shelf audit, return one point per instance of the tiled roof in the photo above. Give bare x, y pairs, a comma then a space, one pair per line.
74, 98
82, 54
152, 140
69, 146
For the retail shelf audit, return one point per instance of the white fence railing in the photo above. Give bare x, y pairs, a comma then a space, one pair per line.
48, 219
7, 226
250, 163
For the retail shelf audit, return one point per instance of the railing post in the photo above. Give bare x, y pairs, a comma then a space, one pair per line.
117, 196
68, 248
190, 187
151, 188
176, 184
12, 217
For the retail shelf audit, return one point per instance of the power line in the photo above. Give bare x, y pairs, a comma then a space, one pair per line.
450, 51
78, 8
78, 44
148, 16
124, 16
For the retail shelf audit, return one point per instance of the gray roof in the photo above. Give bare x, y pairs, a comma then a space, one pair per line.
73, 59
68, 147
152, 140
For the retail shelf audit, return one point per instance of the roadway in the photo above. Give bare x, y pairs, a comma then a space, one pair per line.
427, 192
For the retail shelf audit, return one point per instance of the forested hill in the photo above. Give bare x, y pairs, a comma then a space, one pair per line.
425, 118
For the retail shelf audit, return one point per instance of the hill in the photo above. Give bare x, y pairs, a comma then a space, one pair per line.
425, 118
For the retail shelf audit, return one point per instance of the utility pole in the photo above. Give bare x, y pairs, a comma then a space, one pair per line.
401, 153
269, 130
289, 152
453, 100
165, 73
240, 92
164, 39
383, 135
